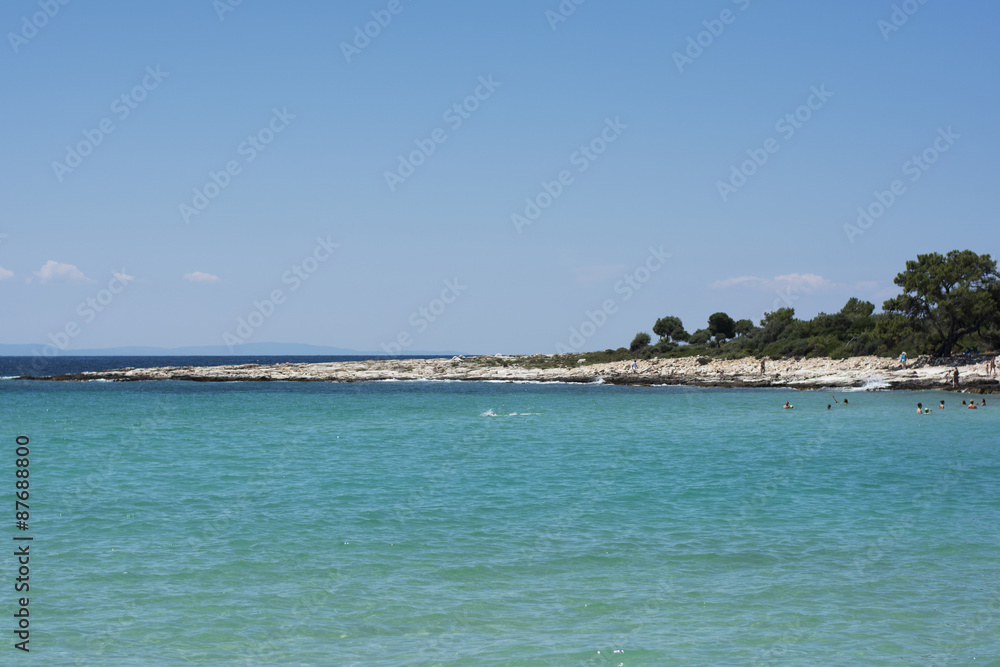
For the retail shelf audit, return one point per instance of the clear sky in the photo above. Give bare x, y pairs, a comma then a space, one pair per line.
170, 167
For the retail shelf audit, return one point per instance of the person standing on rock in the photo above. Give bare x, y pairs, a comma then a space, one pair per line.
762, 367
954, 378
902, 360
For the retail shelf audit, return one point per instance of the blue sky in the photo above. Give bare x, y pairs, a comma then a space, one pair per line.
611, 118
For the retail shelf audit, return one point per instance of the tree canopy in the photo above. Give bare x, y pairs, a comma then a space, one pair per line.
948, 296
721, 326
947, 302
641, 340
670, 328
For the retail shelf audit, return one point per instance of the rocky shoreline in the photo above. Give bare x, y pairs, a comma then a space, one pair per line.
875, 373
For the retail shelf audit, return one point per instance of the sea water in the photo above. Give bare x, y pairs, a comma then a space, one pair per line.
449, 523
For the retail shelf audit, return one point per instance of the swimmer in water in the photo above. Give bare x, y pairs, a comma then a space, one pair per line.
941, 407
920, 408
787, 406
972, 405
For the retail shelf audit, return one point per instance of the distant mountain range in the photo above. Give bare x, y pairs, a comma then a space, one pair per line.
248, 349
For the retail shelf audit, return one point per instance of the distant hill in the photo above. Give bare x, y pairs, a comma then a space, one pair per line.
248, 349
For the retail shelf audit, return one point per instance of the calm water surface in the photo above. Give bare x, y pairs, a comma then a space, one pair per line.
397, 524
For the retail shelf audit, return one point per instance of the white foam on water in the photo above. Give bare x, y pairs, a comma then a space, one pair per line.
872, 383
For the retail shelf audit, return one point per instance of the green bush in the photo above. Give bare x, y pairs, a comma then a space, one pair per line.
641, 340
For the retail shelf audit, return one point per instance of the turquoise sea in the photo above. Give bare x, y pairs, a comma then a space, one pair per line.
398, 524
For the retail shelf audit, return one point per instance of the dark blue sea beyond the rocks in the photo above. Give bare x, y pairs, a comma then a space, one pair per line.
41, 366
485, 523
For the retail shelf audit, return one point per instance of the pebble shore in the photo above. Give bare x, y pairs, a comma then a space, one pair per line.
874, 373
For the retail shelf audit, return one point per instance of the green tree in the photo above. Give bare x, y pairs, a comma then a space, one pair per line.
743, 327
949, 296
775, 323
700, 337
671, 328
855, 306
780, 318
721, 326
641, 340
892, 331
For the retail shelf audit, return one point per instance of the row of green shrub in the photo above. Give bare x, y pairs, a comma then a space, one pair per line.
948, 303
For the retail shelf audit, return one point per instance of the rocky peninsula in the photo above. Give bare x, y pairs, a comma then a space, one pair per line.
875, 373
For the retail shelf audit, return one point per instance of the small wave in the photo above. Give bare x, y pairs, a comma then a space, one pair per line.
8, 377
871, 383
875, 382
514, 382
528, 382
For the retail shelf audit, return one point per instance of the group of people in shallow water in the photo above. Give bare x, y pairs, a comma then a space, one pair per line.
829, 406
971, 405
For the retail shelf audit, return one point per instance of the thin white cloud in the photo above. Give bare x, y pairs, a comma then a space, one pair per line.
6, 274
802, 282
794, 282
201, 277
53, 271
